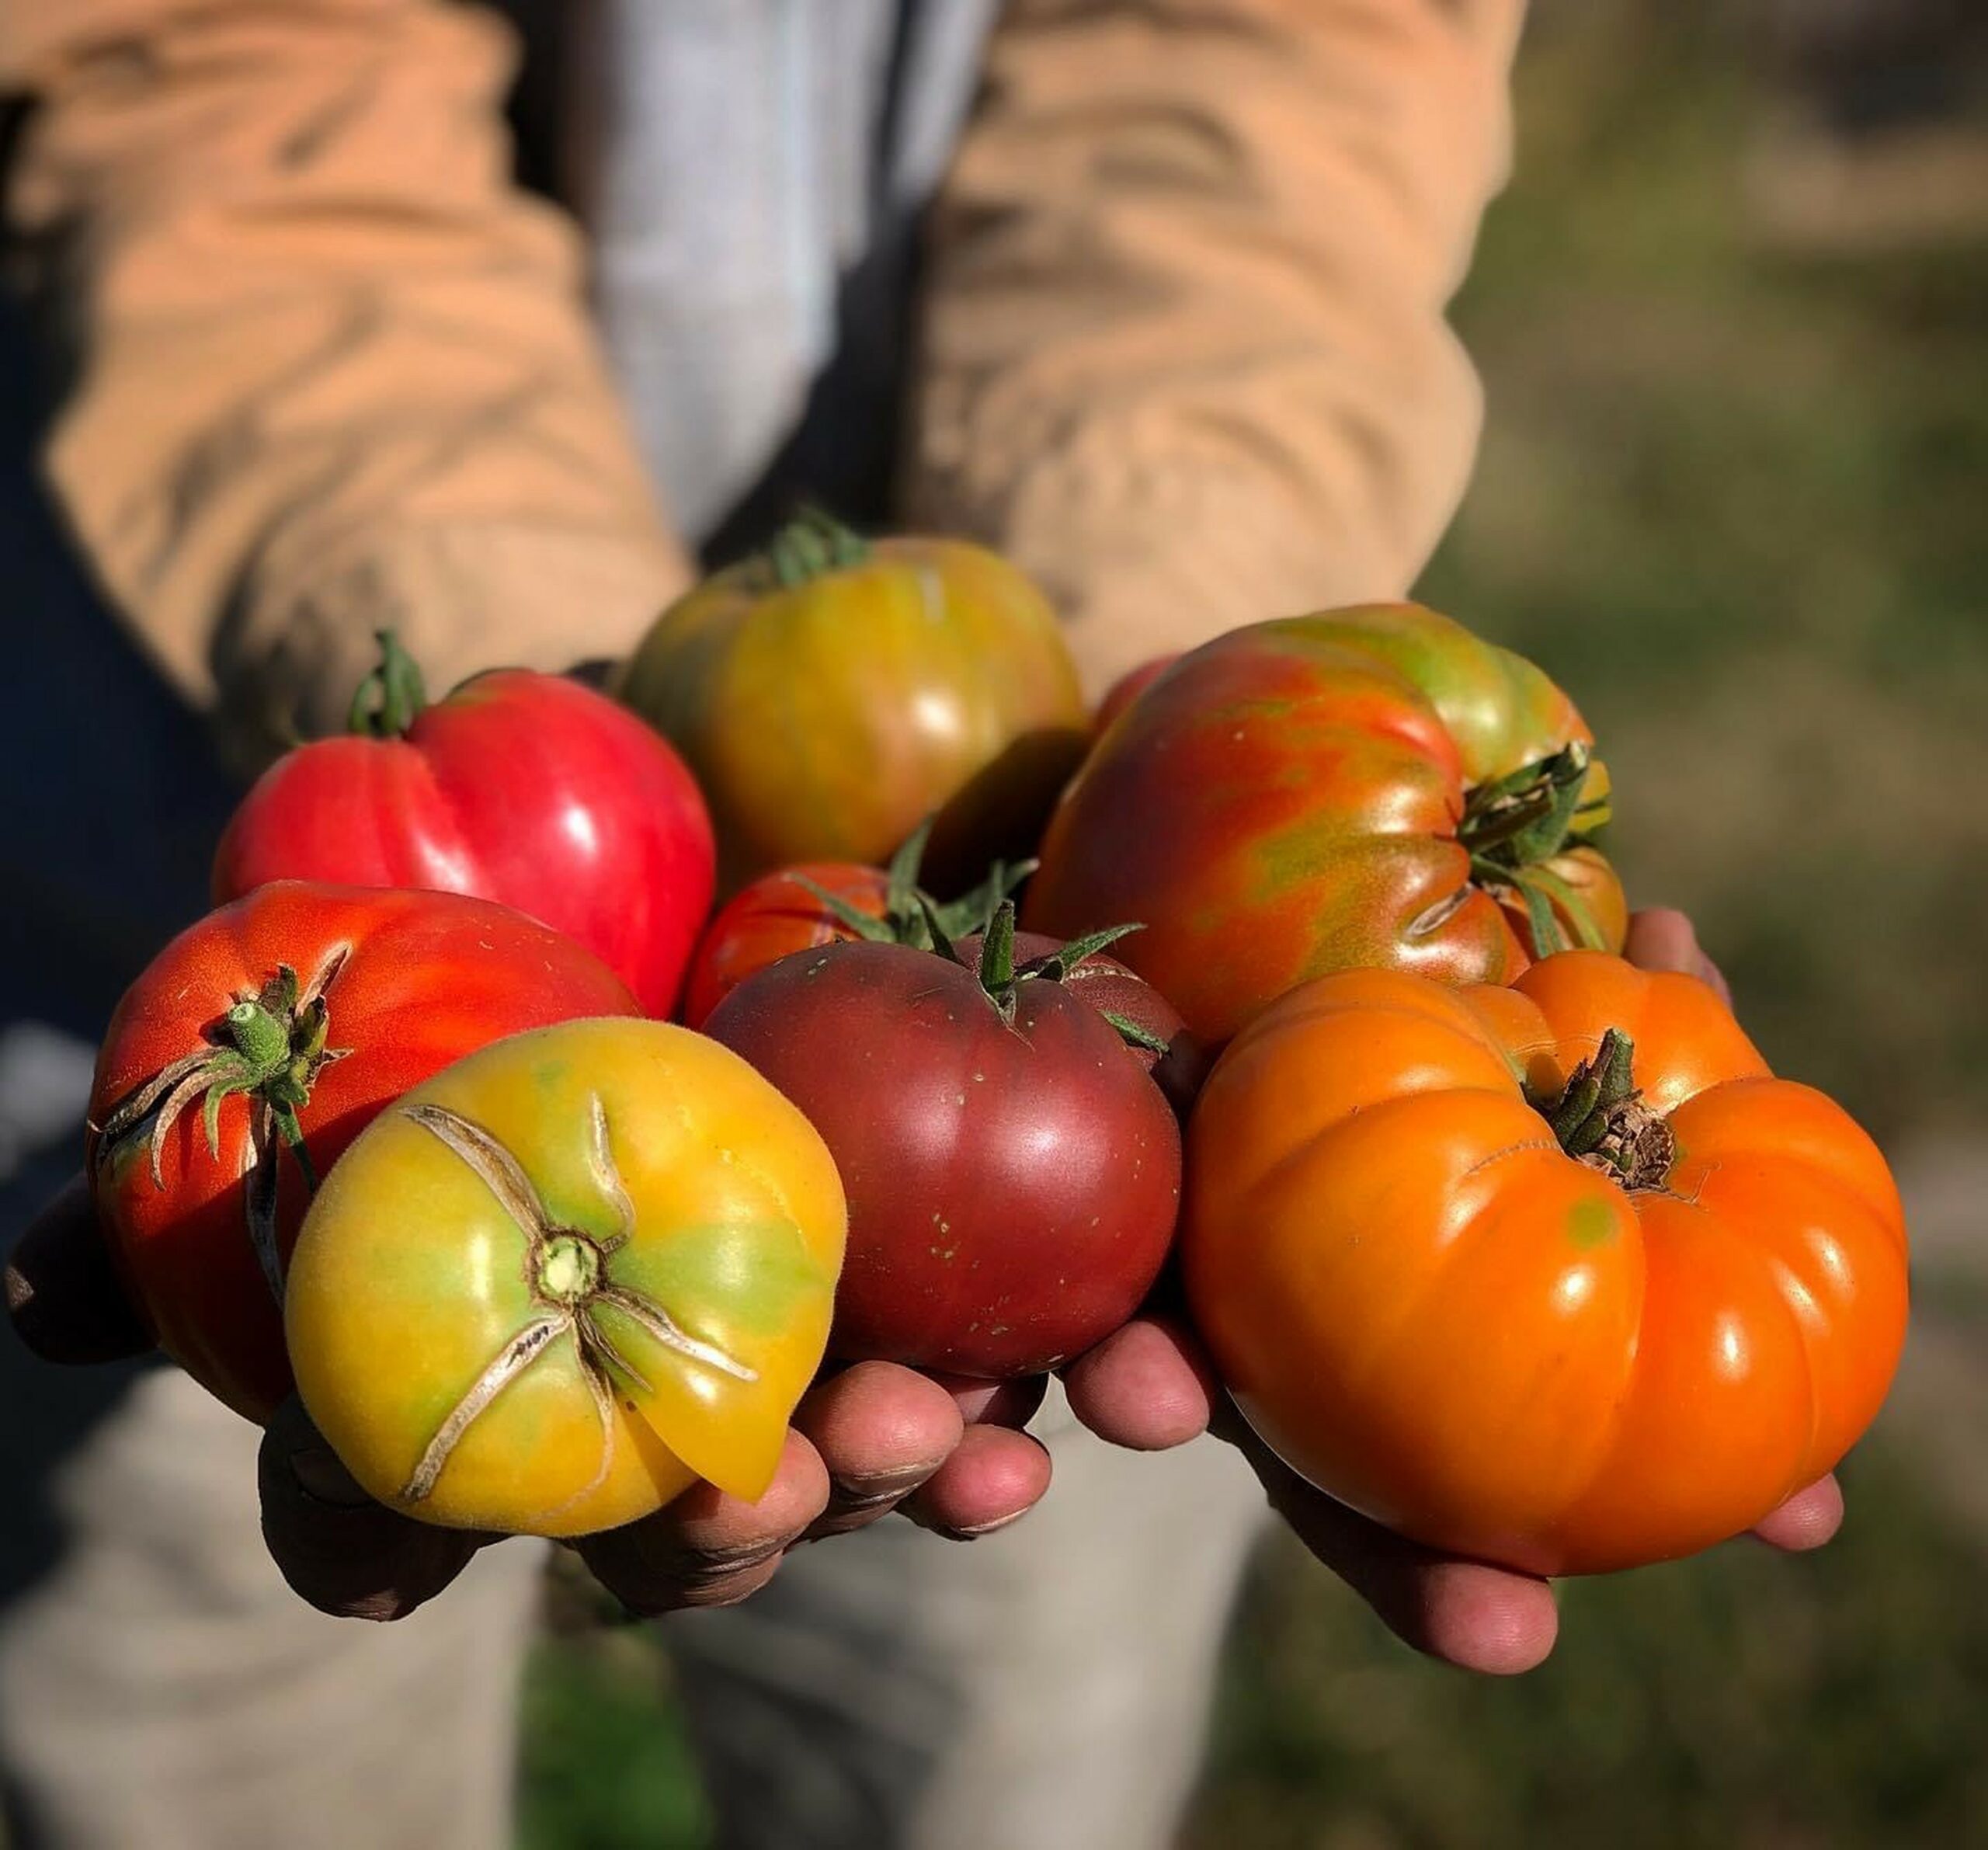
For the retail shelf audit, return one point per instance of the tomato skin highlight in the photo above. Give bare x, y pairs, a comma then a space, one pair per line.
529, 789
1436, 1314
1287, 800
1012, 1190
425, 978
826, 718
672, 1179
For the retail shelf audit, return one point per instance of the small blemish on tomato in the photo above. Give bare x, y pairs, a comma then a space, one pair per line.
1589, 1223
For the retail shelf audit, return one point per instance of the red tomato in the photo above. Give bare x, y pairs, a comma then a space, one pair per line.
773, 918
288, 1020
527, 788
1367, 786
1013, 1176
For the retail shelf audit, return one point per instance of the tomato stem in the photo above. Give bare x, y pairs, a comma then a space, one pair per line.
906, 903
1515, 823
384, 704
1601, 1119
810, 546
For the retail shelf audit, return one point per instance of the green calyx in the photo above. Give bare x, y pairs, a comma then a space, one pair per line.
907, 907
1601, 1119
269, 1047
384, 704
1515, 823
1001, 978
811, 545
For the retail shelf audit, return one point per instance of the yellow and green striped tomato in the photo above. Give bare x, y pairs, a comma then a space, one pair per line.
565, 1279
832, 694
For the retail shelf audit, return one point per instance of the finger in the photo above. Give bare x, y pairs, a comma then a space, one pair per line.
881, 1430
995, 1477
1807, 1520
63, 1292
1662, 938
337, 1549
1467, 1613
996, 1402
1148, 1386
706, 1548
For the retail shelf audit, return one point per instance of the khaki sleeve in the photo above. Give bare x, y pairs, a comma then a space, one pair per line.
330, 370
1186, 356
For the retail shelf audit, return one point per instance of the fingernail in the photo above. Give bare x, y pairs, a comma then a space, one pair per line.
322, 1478
875, 1487
972, 1532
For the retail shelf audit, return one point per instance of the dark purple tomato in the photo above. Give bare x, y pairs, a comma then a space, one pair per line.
1013, 1176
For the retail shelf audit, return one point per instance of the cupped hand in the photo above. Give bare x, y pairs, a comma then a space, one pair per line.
1151, 1386
866, 1439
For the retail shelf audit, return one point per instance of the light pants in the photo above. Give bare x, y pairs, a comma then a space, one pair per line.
1047, 1686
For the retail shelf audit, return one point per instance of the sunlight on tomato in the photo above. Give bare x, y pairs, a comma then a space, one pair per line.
1558, 1276
831, 692
549, 1289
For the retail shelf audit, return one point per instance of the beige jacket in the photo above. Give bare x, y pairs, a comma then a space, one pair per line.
1183, 353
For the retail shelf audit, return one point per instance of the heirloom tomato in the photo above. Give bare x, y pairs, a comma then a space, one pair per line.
1372, 786
831, 694
254, 1048
564, 1279
529, 789
1014, 1175
830, 903
1558, 1276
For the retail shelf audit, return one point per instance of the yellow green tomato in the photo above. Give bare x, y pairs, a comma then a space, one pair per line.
832, 692
565, 1279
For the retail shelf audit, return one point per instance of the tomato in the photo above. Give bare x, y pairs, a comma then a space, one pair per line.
778, 914
830, 903
284, 1022
525, 788
1127, 688
832, 694
564, 1279
1558, 1276
1372, 786
1013, 1176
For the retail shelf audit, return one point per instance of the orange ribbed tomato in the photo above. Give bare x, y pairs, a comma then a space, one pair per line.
1559, 1276
832, 693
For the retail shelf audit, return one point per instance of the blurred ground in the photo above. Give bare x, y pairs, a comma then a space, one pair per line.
1735, 500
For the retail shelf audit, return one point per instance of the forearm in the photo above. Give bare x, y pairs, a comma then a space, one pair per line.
331, 370
1186, 355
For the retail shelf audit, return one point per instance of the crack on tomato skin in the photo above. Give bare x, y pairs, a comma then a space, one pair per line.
1511, 1149
565, 1270
510, 1361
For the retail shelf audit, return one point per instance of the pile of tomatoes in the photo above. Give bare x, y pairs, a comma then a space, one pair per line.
1294, 969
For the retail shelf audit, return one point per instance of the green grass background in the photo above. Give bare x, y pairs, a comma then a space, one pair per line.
1738, 505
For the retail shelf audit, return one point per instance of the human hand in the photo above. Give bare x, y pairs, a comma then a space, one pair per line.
865, 1441
1151, 1386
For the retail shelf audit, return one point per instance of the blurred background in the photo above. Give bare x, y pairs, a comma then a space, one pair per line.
1732, 320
